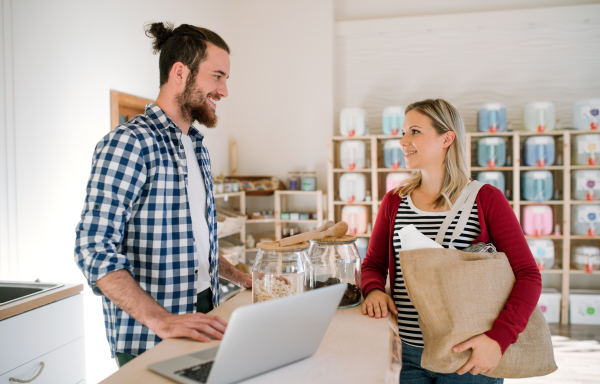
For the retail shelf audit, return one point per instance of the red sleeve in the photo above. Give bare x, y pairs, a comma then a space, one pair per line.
506, 234
374, 268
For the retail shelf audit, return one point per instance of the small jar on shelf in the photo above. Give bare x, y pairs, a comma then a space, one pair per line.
293, 181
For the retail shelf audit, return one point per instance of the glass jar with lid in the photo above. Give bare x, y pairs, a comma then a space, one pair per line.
336, 260
280, 271
293, 181
309, 181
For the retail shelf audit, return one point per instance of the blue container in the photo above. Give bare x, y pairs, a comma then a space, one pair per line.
537, 186
491, 152
393, 155
494, 178
539, 151
393, 117
491, 117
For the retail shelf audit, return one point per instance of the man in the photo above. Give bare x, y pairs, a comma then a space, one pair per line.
147, 239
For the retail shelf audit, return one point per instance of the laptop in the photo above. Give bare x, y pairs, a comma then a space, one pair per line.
259, 338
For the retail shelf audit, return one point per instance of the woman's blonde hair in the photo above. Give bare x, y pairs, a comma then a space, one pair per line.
445, 118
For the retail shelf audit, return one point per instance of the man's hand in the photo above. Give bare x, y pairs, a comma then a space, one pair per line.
485, 357
377, 304
196, 326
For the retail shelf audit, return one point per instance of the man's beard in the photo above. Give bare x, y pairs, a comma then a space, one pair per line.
193, 105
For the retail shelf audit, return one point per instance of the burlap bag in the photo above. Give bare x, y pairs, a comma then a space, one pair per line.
459, 295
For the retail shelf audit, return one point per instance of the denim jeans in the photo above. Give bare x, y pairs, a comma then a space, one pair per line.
413, 373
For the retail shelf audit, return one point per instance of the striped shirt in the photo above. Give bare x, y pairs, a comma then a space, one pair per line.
429, 224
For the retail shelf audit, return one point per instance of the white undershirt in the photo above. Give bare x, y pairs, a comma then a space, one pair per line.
197, 199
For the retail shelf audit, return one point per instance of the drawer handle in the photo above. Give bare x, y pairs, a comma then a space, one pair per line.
42, 365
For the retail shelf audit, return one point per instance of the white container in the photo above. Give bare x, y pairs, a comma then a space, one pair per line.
586, 258
394, 179
411, 238
586, 114
352, 154
353, 187
543, 252
357, 218
539, 116
584, 307
353, 122
392, 120
549, 304
585, 185
585, 220
586, 149
494, 178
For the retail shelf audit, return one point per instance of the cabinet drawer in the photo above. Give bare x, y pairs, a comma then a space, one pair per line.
65, 365
34, 333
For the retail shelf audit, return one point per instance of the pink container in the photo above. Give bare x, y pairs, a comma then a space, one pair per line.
394, 179
537, 220
357, 219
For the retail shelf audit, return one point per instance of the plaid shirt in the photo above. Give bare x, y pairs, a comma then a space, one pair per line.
136, 216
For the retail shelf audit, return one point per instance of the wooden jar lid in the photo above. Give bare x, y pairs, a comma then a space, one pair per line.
274, 246
343, 239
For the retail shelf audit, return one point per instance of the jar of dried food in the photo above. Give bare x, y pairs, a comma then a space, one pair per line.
280, 271
336, 260
293, 181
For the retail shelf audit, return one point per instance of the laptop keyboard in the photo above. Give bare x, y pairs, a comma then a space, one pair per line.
198, 372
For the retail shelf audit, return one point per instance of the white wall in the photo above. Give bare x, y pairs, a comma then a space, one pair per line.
377, 9
280, 107
68, 54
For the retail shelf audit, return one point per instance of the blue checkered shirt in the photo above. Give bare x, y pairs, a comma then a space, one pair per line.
136, 216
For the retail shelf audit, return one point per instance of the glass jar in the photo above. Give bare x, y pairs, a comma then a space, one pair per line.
294, 181
336, 260
280, 271
309, 181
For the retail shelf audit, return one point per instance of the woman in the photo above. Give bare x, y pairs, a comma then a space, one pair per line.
433, 143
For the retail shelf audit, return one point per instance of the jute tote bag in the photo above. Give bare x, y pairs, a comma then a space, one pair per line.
459, 295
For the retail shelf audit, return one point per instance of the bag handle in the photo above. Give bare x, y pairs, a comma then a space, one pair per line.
465, 200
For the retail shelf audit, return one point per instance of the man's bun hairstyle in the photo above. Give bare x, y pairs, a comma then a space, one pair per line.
186, 44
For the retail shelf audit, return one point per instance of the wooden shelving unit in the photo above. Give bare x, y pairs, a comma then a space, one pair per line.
562, 206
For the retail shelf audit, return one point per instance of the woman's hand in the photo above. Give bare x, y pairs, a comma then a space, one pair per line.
377, 304
485, 357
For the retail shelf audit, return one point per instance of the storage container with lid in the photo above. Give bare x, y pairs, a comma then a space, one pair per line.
537, 186
393, 117
494, 178
539, 116
543, 252
491, 117
491, 152
586, 258
336, 260
394, 179
585, 184
281, 271
586, 115
539, 151
537, 220
293, 181
586, 149
393, 155
353, 187
352, 154
357, 218
585, 220
309, 181
353, 122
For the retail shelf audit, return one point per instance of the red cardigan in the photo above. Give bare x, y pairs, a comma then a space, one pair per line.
499, 226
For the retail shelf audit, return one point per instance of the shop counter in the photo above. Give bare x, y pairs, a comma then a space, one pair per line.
355, 349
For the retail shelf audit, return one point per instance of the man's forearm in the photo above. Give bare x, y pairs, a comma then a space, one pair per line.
121, 288
228, 271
